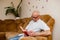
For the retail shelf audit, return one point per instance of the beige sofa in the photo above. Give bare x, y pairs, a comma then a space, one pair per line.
10, 28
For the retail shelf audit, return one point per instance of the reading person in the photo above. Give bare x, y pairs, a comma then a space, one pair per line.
34, 27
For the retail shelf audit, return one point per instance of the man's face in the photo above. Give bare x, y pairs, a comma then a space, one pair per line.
35, 18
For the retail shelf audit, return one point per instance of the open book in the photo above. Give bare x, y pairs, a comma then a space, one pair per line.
24, 31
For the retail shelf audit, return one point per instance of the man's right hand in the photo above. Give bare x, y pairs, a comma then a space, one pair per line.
24, 30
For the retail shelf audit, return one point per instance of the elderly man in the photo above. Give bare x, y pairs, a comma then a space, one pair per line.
34, 27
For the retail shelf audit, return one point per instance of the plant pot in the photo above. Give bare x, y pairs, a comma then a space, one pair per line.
17, 17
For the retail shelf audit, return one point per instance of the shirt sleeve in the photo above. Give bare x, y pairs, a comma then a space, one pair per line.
44, 26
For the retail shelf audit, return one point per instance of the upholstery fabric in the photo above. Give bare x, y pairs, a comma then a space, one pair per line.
10, 27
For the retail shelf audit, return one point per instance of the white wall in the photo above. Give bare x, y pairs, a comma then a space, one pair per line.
52, 7
6, 3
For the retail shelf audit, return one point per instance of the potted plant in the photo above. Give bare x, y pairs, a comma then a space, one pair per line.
12, 10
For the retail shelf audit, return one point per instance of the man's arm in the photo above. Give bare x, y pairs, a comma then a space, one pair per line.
32, 33
43, 33
23, 30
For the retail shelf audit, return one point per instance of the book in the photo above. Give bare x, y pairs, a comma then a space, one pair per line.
24, 31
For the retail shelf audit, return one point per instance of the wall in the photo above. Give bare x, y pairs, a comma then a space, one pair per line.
51, 7
6, 3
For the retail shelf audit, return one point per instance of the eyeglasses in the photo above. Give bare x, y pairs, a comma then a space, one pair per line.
35, 17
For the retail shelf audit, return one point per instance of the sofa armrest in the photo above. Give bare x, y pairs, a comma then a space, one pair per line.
34, 38
41, 38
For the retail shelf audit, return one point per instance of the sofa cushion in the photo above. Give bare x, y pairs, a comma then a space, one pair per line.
10, 34
2, 26
11, 27
28, 38
45, 18
2, 36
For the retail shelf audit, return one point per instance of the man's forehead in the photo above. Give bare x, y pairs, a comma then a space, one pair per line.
35, 14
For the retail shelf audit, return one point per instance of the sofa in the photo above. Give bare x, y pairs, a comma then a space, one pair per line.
10, 27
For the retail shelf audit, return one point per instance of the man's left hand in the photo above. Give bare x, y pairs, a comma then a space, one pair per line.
31, 33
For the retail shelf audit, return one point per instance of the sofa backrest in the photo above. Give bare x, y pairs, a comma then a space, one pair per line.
11, 25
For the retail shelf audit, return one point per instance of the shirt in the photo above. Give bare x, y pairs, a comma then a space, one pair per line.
37, 26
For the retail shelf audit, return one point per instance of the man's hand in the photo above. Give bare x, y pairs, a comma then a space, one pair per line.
23, 29
31, 33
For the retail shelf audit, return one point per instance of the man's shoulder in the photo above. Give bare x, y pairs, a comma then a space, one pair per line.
31, 21
40, 20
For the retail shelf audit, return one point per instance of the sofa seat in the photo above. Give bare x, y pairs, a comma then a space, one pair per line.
34, 38
10, 34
